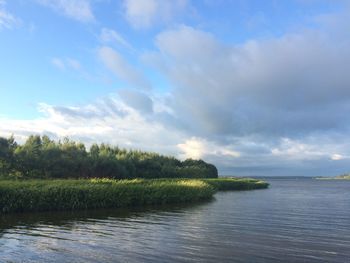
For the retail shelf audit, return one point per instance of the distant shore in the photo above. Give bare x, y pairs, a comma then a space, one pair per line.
339, 177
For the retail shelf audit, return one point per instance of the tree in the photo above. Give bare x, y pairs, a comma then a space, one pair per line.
41, 157
7, 147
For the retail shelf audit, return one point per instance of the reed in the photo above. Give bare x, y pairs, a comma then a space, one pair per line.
229, 184
73, 194
45, 195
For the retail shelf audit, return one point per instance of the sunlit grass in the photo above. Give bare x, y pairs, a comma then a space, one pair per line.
44, 195
72, 194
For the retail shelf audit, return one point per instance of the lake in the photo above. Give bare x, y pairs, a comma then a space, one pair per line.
295, 220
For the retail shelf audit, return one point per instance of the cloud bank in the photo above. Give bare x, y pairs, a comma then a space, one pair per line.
273, 106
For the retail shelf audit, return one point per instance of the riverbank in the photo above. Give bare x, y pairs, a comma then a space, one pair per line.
50, 195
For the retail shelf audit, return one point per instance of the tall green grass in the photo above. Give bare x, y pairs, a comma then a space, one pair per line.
49, 195
45, 195
229, 184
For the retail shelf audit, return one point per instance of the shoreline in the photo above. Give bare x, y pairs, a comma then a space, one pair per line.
333, 178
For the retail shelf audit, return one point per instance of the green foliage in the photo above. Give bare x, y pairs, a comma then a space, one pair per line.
45, 195
41, 157
227, 184
73, 194
7, 147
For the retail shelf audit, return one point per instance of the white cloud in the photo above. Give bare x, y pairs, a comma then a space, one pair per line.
121, 68
197, 148
296, 150
145, 13
109, 36
7, 20
71, 65
74, 64
107, 120
113, 121
337, 157
227, 152
192, 148
57, 62
66, 63
76, 9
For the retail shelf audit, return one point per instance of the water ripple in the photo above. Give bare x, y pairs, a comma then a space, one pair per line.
293, 221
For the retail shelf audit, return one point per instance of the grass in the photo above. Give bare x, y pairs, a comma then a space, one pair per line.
45, 195
229, 184
49, 195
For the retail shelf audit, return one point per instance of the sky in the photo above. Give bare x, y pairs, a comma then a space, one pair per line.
258, 88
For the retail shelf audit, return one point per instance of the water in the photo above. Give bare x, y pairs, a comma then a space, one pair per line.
295, 220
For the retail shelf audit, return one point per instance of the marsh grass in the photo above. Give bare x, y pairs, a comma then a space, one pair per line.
229, 184
45, 195
73, 194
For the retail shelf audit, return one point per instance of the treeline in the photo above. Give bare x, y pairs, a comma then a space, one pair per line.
41, 157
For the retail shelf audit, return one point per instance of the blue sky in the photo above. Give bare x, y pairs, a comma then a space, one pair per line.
256, 87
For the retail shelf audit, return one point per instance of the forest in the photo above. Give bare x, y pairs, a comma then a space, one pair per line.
41, 157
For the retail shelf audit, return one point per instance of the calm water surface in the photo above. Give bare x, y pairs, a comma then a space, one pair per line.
295, 220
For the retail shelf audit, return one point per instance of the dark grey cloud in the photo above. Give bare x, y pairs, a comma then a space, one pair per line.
293, 85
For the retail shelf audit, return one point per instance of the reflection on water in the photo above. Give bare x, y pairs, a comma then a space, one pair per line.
295, 220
